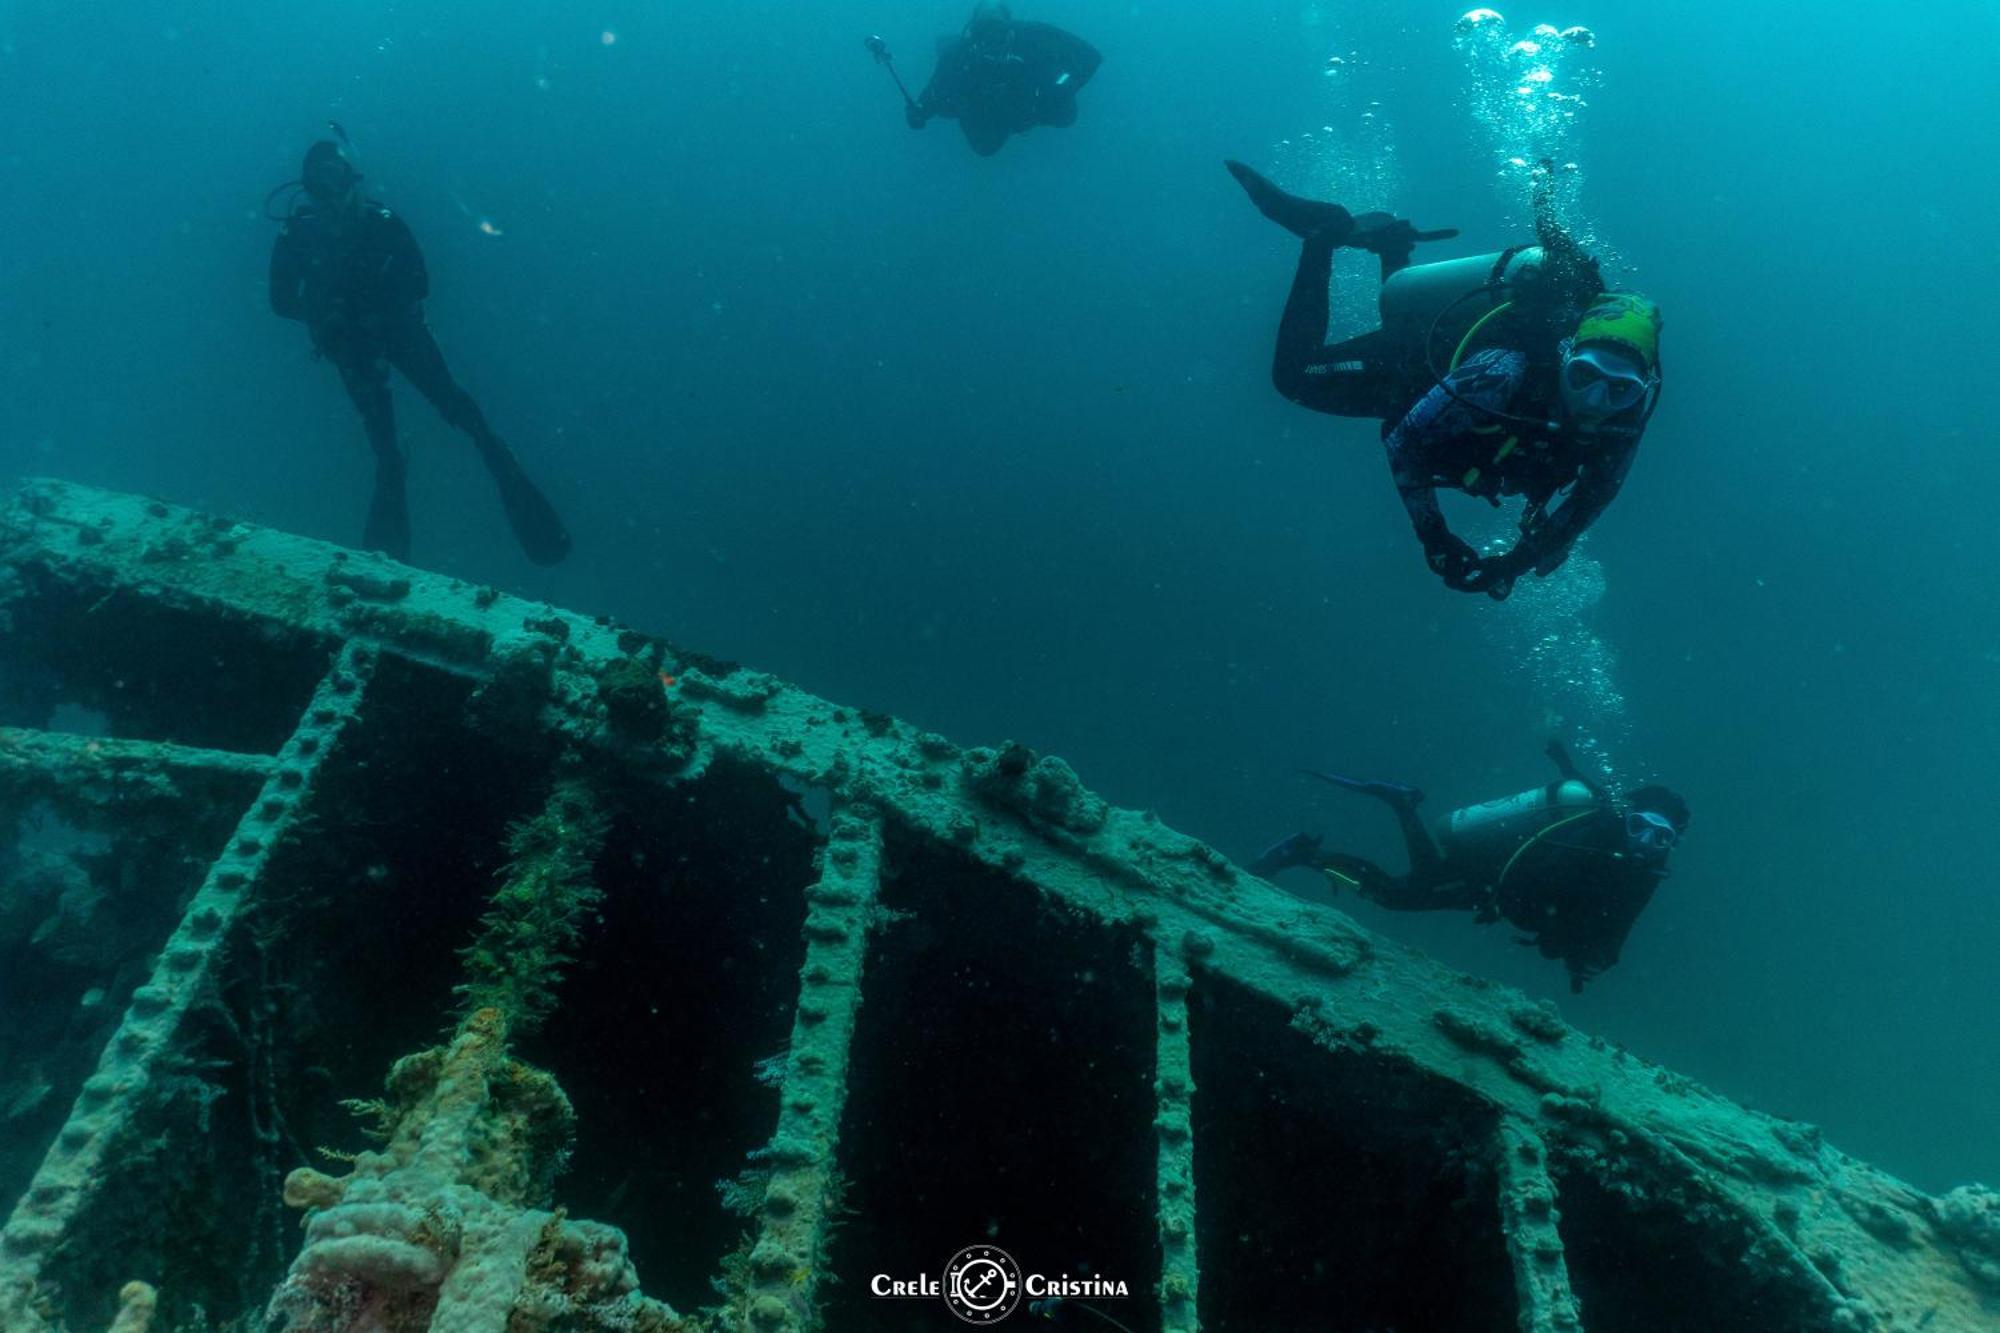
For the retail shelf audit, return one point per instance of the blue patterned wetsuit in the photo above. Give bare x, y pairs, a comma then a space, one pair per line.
1442, 441
1448, 441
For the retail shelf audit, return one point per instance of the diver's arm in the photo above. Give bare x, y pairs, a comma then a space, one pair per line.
405, 279
1603, 937
1069, 52
287, 278
1545, 545
941, 95
1559, 755
1422, 441
918, 112
1085, 60
1449, 555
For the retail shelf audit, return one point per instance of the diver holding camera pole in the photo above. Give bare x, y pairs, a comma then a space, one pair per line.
998, 77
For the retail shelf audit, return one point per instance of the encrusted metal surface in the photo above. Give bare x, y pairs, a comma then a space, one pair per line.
83, 1156
1823, 1240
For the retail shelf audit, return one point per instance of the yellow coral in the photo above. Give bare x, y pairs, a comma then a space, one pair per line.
136, 1303
307, 1188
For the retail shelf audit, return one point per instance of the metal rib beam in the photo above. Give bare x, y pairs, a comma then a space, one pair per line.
787, 1261
80, 1159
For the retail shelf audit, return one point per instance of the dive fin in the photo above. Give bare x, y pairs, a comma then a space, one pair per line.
1305, 218
1301, 849
537, 526
1394, 793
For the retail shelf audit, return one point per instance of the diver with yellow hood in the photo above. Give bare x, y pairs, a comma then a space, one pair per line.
1509, 374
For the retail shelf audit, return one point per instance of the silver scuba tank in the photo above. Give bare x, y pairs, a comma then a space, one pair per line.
1498, 828
1414, 298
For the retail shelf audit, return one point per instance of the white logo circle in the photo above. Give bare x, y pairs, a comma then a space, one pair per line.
982, 1284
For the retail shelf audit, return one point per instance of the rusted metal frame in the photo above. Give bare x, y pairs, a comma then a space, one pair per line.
78, 1162
802, 1189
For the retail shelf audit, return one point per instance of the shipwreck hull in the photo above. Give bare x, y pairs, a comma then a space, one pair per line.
900, 997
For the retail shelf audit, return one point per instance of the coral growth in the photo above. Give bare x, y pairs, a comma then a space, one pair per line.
536, 922
444, 1230
637, 705
136, 1304
1046, 789
1969, 1217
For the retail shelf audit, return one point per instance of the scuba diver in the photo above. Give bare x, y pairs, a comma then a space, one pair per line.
1568, 863
1549, 388
1000, 76
349, 269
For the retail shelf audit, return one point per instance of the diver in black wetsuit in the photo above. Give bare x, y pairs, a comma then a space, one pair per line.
350, 270
1567, 863
1003, 76
1546, 397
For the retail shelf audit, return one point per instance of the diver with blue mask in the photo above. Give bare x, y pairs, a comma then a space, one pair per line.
348, 268
1501, 375
1569, 864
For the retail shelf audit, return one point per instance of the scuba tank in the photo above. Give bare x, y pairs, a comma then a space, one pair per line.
1429, 308
1497, 829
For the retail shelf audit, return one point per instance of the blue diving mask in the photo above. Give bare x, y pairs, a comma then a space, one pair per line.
1601, 382
1649, 833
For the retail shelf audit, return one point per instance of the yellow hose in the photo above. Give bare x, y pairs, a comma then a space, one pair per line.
1473, 332
1539, 835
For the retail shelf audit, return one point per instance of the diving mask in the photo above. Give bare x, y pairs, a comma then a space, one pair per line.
1600, 382
1649, 832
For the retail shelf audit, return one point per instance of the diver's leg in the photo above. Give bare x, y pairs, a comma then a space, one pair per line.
1426, 862
986, 137
1302, 328
536, 525
1346, 379
1414, 892
1372, 882
388, 528
417, 354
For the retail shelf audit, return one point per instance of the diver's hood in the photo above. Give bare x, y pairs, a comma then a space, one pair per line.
321, 160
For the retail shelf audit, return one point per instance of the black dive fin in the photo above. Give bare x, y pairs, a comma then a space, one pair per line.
1394, 793
1301, 849
536, 524
1304, 218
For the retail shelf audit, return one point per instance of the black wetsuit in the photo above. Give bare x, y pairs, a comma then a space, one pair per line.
1005, 80
1572, 885
357, 280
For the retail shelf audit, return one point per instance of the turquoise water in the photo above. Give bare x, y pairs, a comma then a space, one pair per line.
991, 444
